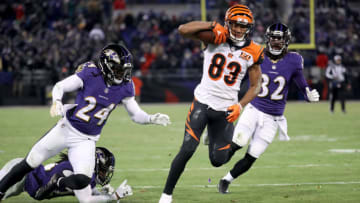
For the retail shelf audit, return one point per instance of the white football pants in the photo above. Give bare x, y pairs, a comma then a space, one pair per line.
81, 148
261, 128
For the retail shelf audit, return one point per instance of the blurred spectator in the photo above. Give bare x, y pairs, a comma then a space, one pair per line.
49, 35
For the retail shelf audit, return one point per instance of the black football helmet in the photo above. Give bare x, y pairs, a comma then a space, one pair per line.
277, 38
116, 63
104, 165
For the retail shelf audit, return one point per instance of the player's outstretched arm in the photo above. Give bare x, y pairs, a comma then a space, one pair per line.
255, 84
254, 89
139, 116
207, 32
69, 84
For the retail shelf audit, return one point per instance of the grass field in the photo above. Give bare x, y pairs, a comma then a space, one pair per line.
321, 162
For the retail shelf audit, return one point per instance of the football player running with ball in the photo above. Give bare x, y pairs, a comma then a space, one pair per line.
227, 58
263, 117
101, 85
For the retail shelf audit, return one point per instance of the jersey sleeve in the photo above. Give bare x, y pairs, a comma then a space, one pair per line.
129, 89
260, 56
298, 75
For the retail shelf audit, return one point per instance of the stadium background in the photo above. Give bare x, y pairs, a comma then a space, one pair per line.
42, 42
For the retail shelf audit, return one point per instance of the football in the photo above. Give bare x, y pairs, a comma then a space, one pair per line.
206, 36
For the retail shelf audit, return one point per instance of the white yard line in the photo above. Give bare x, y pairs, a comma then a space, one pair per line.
255, 185
213, 168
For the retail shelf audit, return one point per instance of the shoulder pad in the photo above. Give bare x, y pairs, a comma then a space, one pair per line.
88, 64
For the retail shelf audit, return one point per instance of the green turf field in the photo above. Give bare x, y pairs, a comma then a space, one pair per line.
306, 169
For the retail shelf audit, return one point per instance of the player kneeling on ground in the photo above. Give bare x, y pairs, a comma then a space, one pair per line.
42, 182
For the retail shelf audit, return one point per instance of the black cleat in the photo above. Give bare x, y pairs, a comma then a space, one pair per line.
223, 186
44, 191
1, 195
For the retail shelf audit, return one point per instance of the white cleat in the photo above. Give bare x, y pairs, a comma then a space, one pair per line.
165, 198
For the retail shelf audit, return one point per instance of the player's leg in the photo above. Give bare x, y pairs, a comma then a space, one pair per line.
263, 136
342, 95
82, 158
220, 133
49, 145
19, 186
81, 153
194, 126
334, 98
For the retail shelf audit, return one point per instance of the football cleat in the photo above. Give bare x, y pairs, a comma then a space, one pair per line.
1, 196
165, 198
223, 186
44, 191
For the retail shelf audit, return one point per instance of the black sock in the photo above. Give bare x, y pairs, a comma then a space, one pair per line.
242, 166
177, 167
14, 175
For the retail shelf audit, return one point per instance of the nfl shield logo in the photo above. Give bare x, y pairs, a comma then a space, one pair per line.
106, 90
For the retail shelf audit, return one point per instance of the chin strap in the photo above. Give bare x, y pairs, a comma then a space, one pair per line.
276, 57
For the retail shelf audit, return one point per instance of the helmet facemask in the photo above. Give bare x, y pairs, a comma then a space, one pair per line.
116, 64
277, 38
104, 165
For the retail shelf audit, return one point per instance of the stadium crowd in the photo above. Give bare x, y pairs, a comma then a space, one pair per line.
58, 35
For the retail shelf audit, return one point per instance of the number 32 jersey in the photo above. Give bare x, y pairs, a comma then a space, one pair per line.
276, 80
224, 68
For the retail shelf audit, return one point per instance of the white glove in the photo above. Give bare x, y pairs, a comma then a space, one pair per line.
56, 109
160, 119
122, 191
108, 189
312, 95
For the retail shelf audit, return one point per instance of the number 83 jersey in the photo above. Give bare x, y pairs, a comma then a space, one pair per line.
224, 68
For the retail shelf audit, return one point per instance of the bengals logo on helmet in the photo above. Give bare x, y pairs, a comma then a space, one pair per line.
240, 14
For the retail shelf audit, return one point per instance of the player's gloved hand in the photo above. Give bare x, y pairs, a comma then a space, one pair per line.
220, 32
234, 112
122, 191
312, 95
160, 119
56, 109
108, 189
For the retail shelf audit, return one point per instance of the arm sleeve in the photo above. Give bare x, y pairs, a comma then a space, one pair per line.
85, 195
69, 84
300, 81
135, 112
328, 73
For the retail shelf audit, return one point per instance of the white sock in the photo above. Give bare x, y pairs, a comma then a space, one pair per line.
165, 198
228, 177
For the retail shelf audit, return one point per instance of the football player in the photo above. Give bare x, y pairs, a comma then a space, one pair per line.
339, 83
226, 61
41, 182
100, 86
263, 116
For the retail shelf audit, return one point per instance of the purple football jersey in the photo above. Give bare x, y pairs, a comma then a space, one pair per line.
40, 177
95, 101
276, 79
